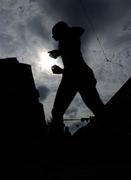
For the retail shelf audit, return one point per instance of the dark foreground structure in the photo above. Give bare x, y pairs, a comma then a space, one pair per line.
22, 119
116, 119
27, 150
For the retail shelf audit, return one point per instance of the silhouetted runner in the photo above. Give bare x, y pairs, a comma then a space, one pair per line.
77, 75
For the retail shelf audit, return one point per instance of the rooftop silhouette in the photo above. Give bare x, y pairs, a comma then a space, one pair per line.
115, 119
118, 108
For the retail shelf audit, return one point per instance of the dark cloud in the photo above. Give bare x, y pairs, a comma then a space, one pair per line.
123, 39
127, 27
5, 39
36, 27
63, 10
103, 12
72, 112
44, 92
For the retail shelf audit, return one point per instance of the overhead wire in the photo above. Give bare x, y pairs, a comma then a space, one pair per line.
85, 11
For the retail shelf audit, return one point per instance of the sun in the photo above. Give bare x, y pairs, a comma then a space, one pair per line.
46, 62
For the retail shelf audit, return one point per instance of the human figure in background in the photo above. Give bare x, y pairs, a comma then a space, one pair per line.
77, 76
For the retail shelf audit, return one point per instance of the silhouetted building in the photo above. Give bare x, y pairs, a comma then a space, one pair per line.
116, 119
21, 114
118, 110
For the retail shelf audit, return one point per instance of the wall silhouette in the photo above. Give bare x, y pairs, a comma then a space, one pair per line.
118, 109
21, 115
115, 119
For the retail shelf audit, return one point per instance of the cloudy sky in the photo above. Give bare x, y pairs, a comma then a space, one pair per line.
25, 33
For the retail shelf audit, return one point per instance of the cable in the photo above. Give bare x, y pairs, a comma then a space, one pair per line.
96, 34
93, 28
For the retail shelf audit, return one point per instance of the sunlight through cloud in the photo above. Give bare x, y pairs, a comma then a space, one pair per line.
46, 62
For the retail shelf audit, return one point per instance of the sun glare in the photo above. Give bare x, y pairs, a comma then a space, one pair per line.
46, 62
